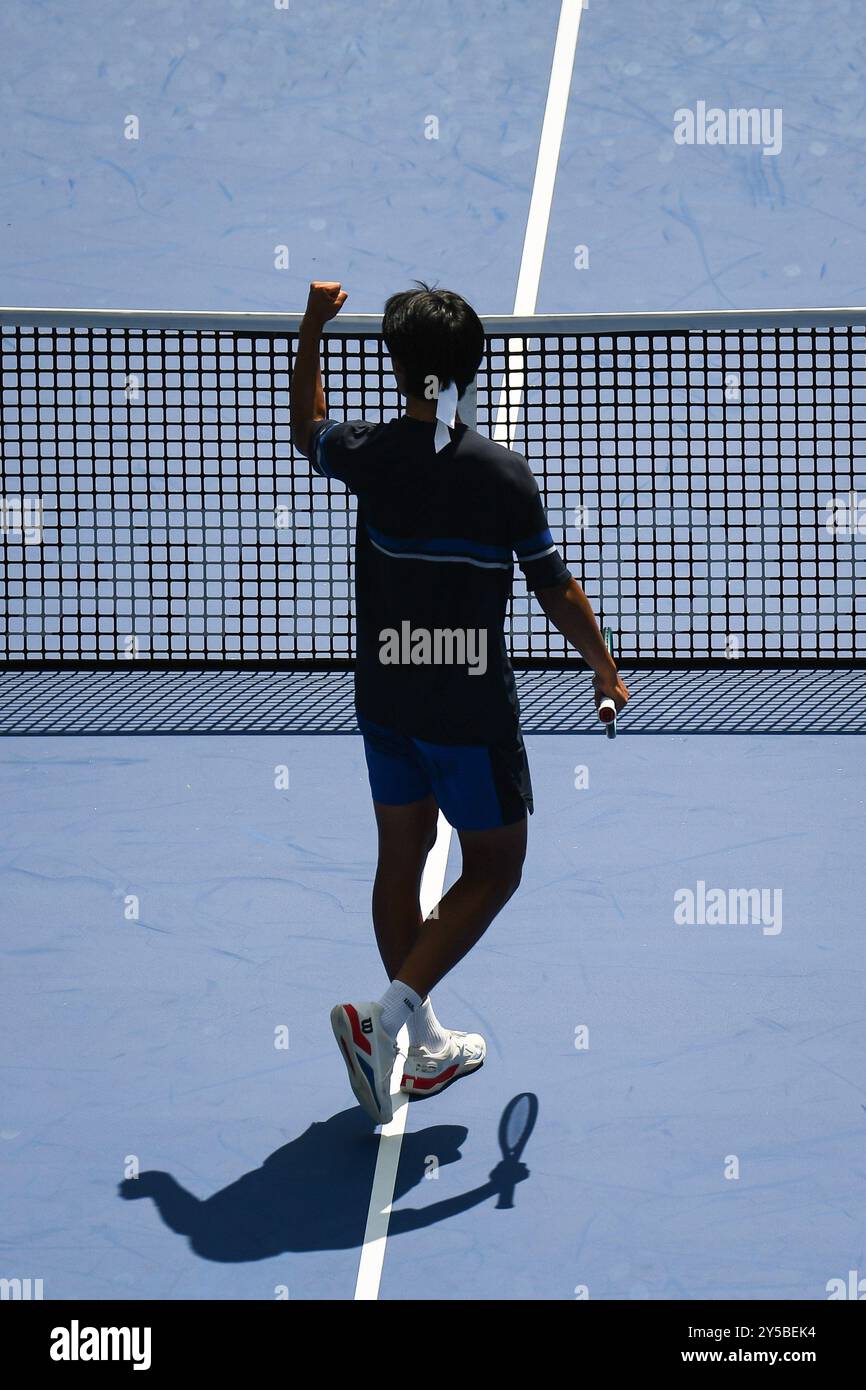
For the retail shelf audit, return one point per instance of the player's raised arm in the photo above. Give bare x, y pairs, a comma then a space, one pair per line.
308, 408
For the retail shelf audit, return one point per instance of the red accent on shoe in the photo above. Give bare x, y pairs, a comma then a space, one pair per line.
357, 1036
425, 1084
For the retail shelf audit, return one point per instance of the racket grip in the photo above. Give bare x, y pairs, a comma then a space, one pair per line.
607, 708
505, 1200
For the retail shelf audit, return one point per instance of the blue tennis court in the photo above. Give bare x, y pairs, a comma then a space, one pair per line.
177, 930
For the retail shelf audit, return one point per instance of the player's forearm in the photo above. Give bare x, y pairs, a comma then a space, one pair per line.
571, 613
307, 394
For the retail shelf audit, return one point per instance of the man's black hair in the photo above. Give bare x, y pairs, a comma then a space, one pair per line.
433, 334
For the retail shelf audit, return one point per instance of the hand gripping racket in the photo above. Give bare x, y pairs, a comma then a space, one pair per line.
515, 1127
607, 708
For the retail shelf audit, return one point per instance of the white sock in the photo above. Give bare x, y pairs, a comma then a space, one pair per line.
425, 1030
399, 1003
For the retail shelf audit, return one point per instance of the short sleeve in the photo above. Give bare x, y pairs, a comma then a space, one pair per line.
341, 450
542, 565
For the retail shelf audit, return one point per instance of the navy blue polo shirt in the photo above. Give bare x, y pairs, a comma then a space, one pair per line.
437, 536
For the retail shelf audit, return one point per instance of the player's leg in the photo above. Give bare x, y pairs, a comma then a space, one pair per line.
406, 815
492, 862
406, 836
492, 865
486, 793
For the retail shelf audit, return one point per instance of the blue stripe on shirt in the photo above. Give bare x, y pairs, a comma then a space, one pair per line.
318, 459
538, 543
438, 547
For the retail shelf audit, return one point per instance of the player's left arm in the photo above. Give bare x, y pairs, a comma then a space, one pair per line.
561, 598
308, 407
570, 611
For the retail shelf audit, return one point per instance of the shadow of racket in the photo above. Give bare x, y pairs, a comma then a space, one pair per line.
515, 1127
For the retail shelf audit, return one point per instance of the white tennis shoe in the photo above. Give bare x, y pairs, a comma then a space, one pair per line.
369, 1053
427, 1073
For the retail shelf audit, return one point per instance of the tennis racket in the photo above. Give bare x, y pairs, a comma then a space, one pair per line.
607, 708
515, 1127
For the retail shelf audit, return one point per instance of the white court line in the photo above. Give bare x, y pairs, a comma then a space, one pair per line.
508, 409
391, 1135
510, 400
558, 88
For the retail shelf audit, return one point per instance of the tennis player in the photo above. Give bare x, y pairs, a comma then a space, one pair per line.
442, 512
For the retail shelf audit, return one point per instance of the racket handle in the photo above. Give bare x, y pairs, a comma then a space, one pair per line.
505, 1200
607, 711
607, 708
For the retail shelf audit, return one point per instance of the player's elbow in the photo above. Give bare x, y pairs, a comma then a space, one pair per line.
556, 600
303, 430
301, 437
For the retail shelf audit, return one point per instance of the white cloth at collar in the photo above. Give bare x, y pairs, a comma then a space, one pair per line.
446, 415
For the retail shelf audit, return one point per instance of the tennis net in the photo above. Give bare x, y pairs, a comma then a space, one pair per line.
703, 476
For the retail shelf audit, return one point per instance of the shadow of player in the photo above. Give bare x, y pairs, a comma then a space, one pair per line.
313, 1193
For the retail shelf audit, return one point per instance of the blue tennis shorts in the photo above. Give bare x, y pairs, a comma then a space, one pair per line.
476, 786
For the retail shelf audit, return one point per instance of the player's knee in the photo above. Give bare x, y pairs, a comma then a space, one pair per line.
499, 880
502, 887
494, 862
511, 881
513, 868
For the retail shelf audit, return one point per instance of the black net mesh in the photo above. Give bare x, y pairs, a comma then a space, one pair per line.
704, 484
